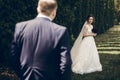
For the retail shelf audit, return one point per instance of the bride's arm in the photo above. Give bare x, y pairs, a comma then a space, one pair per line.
86, 33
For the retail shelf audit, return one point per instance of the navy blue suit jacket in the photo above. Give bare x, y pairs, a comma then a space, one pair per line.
40, 50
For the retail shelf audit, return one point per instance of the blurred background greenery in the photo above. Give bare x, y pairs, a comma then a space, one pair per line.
71, 13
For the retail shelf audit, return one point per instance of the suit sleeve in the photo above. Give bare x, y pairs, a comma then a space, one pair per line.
65, 60
15, 52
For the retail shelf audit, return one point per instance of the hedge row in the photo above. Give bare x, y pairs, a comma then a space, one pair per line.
71, 13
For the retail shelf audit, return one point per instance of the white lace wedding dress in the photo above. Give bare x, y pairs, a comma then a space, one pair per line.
85, 58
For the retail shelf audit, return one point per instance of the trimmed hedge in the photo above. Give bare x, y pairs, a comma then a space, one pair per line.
71, 13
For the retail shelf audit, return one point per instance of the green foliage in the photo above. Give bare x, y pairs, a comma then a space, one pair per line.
71, 13
12, 11
117, 11
117, 17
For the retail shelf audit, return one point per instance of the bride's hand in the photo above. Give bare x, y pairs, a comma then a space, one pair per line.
94, 34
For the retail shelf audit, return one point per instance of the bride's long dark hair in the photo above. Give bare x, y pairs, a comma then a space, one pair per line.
94, 28
90, 15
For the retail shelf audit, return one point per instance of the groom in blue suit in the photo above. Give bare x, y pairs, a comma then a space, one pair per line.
40, 49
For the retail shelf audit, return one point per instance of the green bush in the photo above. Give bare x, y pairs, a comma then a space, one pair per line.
71, 13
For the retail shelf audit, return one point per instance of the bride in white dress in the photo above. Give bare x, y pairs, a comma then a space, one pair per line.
84, 54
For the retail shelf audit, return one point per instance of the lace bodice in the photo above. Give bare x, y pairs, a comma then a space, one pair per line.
88, 29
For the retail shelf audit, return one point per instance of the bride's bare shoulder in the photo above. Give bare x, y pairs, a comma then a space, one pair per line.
86, 26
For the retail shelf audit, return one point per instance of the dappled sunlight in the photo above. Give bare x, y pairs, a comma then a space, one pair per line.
115, 28
109, 42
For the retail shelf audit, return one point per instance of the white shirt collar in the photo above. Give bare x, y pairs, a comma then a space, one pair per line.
44, 16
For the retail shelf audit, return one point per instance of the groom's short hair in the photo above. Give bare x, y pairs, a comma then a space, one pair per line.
47, 6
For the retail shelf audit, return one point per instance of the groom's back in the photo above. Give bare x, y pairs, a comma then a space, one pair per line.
39, 38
